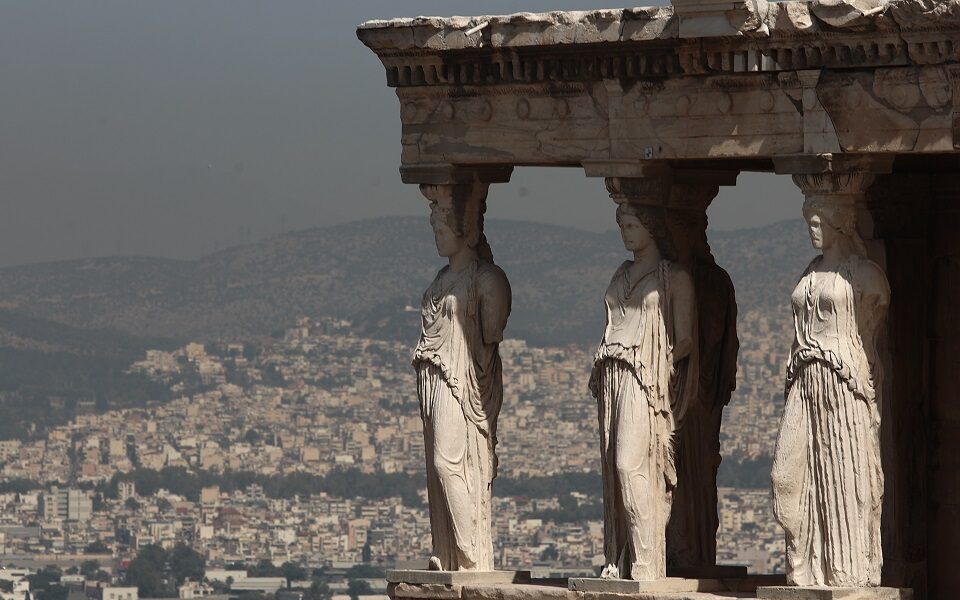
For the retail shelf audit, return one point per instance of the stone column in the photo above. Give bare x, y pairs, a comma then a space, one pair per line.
459, 381
831, 460
912, 222
692, 531
942, 490
642, 381
684, 196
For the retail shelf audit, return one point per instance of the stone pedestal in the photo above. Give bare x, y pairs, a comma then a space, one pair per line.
666, 585
708, 571
832, 593
423, 577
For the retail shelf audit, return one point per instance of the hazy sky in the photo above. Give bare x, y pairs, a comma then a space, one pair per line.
177, 127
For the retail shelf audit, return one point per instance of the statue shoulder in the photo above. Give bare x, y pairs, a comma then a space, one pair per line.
869, 278
680, 276
491, 281
493, 292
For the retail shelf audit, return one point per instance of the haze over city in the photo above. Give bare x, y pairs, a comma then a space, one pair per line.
179, 128
219, 370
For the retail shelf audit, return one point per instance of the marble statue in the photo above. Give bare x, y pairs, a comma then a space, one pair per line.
644, 375
827, 477
692, 530
459, 380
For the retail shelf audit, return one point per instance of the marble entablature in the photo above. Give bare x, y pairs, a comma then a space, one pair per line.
773, 79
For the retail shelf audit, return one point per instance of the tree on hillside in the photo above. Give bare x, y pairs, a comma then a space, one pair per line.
364, 571
265, 568
293, 572
146, 572
96, 547
89, 568
549, 554
358, 587
54, 592
318, 591
44, 578
186, 563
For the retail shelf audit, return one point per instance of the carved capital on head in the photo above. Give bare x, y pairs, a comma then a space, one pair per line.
693, 196
447, 194
654, 190
839, 186
843, 178
461, 207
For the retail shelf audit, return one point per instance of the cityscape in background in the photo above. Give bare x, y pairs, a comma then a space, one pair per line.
291, 465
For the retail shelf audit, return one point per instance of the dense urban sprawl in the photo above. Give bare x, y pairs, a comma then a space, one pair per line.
243, 466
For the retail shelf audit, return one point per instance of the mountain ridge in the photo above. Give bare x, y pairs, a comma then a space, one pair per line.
69, 330
368, 271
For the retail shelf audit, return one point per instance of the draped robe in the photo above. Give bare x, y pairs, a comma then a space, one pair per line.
827, 477
460, 389
640, 398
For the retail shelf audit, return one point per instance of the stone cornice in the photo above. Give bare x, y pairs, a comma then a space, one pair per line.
519, 30
647, 43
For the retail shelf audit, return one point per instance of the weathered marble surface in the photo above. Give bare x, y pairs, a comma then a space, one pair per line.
666, 585
763, 18
644, 377
456, 577
564, 88
558, 590
824, 593
628, 87
827, 472
521, 29
459, 379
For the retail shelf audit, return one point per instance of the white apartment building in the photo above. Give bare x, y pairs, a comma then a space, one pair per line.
61, 504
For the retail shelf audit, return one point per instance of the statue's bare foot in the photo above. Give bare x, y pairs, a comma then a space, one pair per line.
610, 572
434, 564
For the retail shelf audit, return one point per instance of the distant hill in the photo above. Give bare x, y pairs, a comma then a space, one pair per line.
369, 271
49, 372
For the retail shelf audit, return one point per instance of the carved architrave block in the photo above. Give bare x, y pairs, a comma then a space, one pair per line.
953, 73
709, 18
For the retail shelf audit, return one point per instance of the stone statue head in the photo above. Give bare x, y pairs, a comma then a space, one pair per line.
833, 224
643, 224
456, 215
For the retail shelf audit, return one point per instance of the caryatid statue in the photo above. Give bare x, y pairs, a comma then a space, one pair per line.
692, 531
459, 380
644, 374
827, 477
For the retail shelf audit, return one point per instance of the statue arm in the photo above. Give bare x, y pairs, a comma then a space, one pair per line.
874, 291
684, 315
731, 342
685, 385
494, 297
